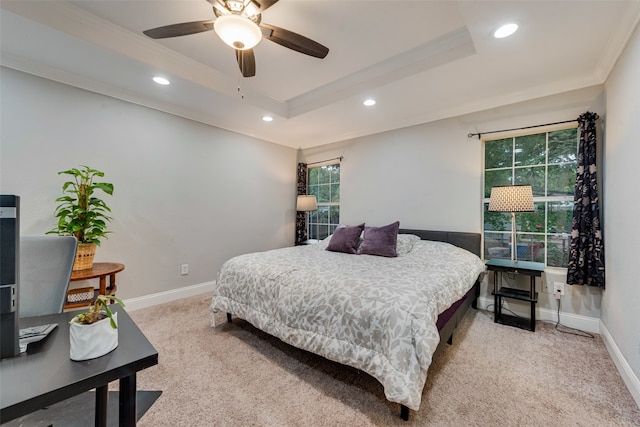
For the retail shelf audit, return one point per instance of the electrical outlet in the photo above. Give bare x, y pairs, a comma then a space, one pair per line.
184, 269
558, 287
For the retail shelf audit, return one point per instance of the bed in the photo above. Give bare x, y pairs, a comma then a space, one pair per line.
386, 316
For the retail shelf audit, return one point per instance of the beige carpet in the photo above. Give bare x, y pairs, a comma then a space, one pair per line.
492, 375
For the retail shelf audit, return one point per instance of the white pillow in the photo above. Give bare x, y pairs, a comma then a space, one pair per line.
405, 243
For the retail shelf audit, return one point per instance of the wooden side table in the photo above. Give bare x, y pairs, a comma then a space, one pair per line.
99, 270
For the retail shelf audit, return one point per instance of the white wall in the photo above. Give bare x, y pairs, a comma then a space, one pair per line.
621, 300
184, 192
430, 177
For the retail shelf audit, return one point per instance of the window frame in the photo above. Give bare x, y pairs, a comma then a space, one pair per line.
329, 226
544, 200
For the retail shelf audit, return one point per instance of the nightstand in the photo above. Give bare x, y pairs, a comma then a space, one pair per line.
527, 268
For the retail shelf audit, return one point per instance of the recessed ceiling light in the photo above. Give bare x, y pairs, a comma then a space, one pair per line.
369, 102
505, 31
267, 118
161, 80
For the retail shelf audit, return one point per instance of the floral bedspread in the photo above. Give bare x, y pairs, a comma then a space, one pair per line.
373, 313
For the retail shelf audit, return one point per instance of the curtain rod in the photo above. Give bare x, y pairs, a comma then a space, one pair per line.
322, 161
479, 134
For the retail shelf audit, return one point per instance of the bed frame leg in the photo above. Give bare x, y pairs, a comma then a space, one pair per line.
229, 317
450, 340
404, 413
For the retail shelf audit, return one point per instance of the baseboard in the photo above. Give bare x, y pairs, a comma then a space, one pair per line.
630, 379
583, 323
168, 296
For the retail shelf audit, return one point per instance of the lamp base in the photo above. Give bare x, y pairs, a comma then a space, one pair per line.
514, 244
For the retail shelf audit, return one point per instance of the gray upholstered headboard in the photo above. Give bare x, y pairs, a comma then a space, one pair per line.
468, 241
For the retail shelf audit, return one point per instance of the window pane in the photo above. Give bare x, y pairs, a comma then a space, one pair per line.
323, 231
324, 193
334, 215
496, 178
324, 175
558, 250
559, 216
533, 176
498, 153
530, 247
335, 192
313, 191
334, 173
323, 214
531, 221
563, 146
496, 221
497, 245
562, 179
313, 176
530, 149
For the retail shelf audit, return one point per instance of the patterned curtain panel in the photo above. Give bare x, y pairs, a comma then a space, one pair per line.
586, 250
301, 219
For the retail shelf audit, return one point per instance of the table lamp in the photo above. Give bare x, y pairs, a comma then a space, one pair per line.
306, 203
512, 199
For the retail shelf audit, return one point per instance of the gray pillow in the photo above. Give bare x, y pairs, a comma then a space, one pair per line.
346, 239
380, 241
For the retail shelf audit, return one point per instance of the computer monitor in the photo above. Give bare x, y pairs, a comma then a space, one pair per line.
9, 274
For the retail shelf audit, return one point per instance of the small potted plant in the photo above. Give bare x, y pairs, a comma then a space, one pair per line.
82, 214
94, 333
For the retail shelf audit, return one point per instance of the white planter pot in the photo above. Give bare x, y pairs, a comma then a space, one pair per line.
91, 341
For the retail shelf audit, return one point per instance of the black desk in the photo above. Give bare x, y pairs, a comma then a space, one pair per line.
46, 375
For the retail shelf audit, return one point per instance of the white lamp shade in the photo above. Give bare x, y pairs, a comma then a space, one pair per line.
306, 203
511, 198
238, 32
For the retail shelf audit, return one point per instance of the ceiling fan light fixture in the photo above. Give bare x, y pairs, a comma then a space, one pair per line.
238, 32
251, 9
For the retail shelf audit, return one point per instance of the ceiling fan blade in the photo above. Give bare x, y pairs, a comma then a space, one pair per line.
176, 30
246, 62
293, 41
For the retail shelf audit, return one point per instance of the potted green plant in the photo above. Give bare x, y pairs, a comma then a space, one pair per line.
94, 333
82, 214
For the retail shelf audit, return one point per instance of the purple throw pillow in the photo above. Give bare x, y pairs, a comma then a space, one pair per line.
380, 241
346, 239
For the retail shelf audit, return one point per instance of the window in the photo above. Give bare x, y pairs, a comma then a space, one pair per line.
546, 161
324, 183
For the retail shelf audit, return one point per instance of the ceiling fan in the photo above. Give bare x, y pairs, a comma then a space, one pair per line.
238, 24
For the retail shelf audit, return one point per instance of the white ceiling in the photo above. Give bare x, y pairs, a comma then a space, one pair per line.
421, 60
